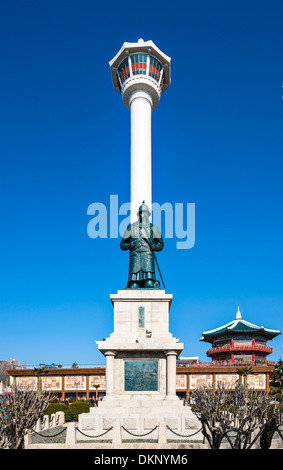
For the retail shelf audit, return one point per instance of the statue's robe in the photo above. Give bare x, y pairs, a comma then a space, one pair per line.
137, 238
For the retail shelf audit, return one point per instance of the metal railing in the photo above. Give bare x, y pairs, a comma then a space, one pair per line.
241, 348
179, 364
227, 362
59, 366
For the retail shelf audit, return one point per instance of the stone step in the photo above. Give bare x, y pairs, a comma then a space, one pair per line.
146, 405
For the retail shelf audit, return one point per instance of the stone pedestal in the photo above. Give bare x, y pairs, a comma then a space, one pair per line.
140, 360
140, 344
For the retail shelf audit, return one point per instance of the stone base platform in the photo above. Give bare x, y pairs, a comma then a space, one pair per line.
141, 417
141, 373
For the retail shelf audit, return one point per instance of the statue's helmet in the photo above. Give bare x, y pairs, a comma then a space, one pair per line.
143, 209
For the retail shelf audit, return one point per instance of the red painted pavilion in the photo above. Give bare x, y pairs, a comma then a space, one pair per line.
239, 342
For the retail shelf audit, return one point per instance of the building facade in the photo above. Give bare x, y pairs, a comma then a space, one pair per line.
234, 345
87, 383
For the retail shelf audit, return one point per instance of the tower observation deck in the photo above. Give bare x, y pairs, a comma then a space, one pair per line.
140, 73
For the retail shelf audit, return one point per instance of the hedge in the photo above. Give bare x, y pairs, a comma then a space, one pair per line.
71, 411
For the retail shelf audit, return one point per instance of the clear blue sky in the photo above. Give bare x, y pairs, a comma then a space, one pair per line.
65, 143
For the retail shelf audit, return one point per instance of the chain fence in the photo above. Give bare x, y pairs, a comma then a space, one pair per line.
54, 418
139, 435
182, 435
48, 435
94, 437
42, 426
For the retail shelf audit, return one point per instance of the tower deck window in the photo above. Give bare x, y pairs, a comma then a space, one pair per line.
124, 70
139, 62
155, 69
138, 65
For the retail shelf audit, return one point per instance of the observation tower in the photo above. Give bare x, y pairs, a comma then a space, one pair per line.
140, 73
140, 354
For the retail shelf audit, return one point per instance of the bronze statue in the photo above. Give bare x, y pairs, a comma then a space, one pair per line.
142, 238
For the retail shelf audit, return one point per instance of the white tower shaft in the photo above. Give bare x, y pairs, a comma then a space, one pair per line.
140, 72
141, 179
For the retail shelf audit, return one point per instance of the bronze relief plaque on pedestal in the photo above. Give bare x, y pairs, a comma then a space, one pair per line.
141, 376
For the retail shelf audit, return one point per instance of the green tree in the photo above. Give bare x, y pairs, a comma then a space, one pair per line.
96, 386
244, 372
39, 372
276, 380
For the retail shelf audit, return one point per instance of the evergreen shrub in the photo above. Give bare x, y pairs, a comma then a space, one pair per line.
71, 411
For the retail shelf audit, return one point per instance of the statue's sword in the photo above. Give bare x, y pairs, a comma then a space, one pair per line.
154, 257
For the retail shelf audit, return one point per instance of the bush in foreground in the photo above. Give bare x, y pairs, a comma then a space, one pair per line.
71, 411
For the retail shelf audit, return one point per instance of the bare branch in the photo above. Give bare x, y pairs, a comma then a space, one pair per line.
19, 411
234, 414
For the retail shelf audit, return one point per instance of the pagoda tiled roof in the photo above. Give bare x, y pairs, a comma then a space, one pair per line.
239, 326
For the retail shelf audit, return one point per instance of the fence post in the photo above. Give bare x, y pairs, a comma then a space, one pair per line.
116, 436
38, 425
53, 420
162, 434
46, 421
71, 438
60, 416
27, 439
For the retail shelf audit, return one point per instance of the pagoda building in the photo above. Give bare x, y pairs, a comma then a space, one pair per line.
239, 342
